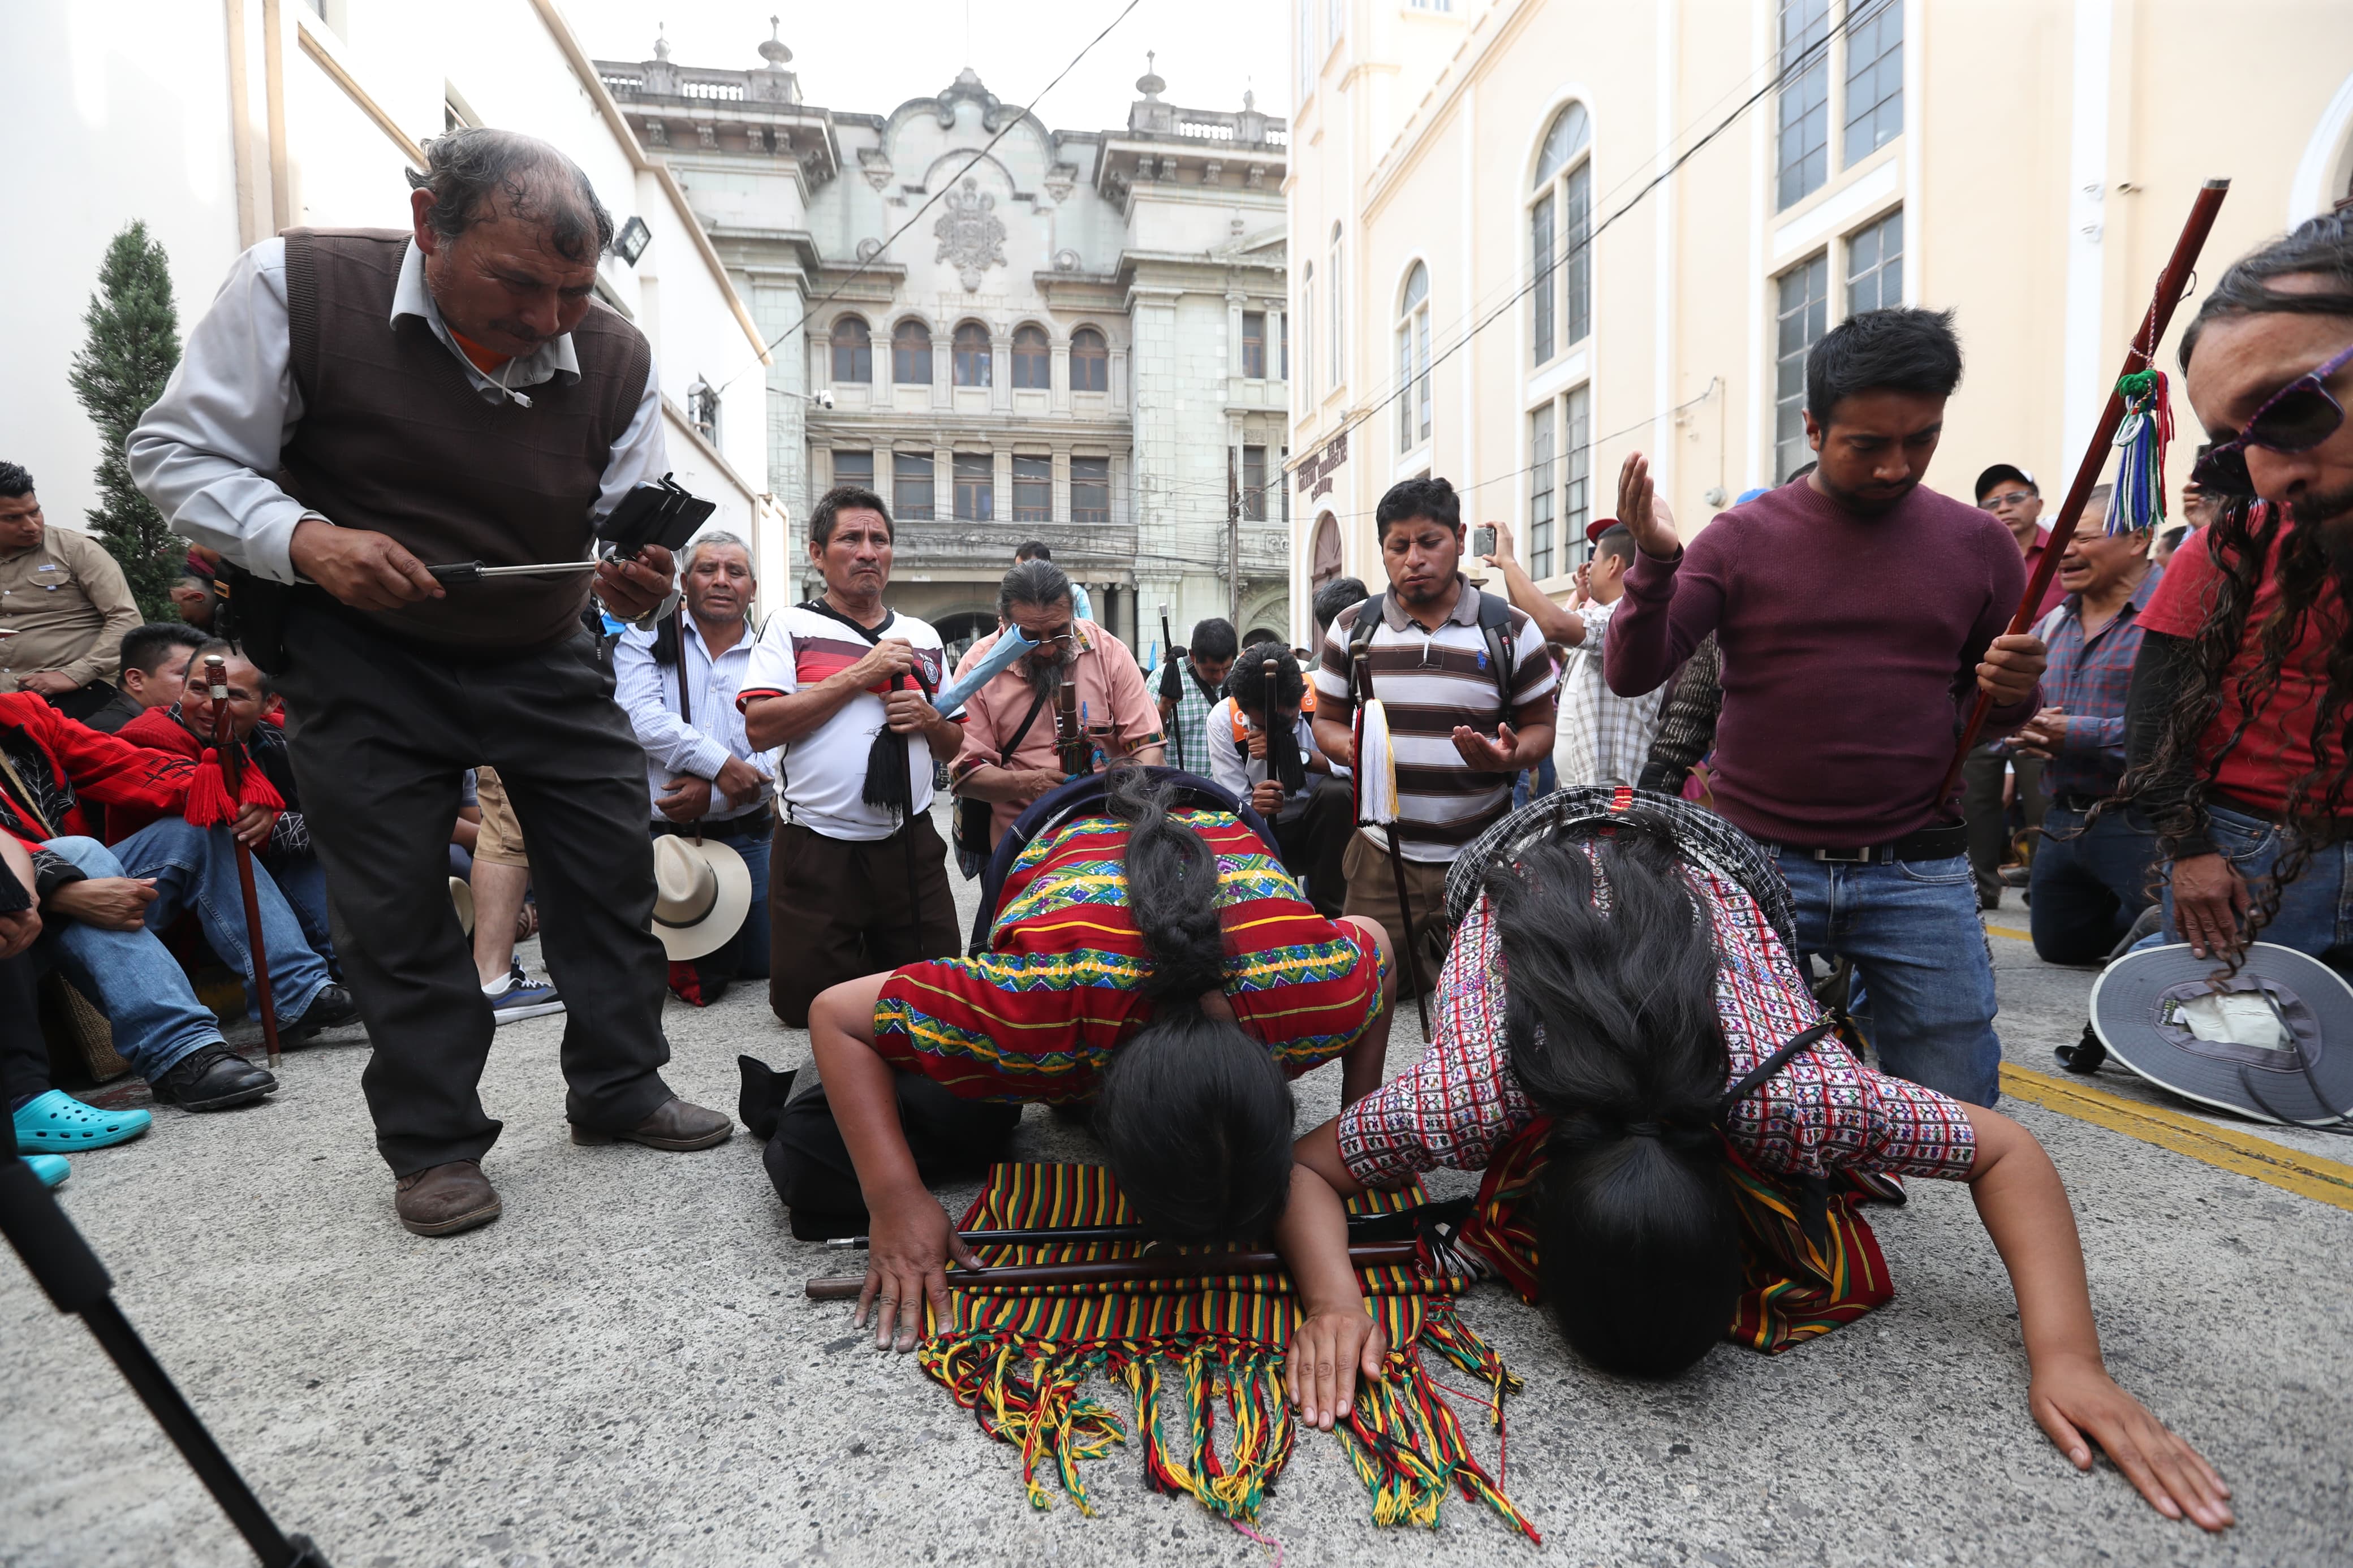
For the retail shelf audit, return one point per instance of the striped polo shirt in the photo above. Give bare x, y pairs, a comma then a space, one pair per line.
1430, 682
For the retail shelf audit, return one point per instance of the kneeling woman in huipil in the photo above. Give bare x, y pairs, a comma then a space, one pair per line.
1676, 1144
1149, 958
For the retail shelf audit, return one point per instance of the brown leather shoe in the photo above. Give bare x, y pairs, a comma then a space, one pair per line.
677, 1125
442, 1200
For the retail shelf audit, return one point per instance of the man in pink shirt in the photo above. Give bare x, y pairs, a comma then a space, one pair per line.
1010, 755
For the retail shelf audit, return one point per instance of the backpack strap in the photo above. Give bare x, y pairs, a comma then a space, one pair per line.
1495, 625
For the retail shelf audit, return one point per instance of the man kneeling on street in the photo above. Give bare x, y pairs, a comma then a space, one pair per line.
101, 907
1312, 812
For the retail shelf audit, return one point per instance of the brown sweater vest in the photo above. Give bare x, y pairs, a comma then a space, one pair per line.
393, 438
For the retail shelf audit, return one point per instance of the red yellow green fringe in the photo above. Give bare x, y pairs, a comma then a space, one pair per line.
1019, 1362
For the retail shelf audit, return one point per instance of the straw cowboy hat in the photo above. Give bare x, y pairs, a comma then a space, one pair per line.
701, 893
2273, 1041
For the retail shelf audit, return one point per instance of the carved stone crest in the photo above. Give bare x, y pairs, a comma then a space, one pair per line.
970, 235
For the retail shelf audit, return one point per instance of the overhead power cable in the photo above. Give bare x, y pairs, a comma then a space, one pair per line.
1813, 53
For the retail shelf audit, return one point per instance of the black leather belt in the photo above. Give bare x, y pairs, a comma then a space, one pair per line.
751, 825
1938, 843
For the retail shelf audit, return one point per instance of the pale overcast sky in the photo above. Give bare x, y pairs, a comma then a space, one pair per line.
869, 58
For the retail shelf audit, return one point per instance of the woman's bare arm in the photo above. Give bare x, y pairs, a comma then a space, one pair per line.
2024, 1206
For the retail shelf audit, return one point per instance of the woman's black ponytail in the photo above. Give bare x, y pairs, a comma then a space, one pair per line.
1194, 1115
1611, 1022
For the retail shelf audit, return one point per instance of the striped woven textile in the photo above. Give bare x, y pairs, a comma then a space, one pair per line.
1808, 1260
1017, 1357
1038, 1015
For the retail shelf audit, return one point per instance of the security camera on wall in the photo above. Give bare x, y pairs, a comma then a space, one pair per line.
825, 397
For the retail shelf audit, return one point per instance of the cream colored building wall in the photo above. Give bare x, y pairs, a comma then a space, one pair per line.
266, 114
2049, 154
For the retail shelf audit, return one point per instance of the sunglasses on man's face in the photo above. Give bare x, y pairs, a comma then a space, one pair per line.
2296, 419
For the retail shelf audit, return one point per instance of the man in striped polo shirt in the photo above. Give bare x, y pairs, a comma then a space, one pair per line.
1469, 693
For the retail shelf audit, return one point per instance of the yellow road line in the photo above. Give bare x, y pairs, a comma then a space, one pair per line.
2226, 1148
2012, 933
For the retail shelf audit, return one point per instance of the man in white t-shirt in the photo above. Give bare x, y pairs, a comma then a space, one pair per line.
844, 685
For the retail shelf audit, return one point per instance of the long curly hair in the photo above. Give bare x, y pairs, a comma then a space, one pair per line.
2313, 564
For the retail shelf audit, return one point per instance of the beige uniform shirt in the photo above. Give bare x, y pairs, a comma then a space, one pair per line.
67, 601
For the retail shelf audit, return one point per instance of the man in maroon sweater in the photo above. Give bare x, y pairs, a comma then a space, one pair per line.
1858, 613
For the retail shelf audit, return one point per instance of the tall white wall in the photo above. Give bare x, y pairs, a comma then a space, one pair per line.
120, 115
132, 100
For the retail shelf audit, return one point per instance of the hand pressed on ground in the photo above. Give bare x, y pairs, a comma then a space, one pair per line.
2076, 1400
909, 1242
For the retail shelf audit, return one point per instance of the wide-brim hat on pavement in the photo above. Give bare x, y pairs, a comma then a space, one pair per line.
2273, 1041
703, 890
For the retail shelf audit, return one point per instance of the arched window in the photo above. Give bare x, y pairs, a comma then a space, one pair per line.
1560, 211
1332, 287
972, 360
1413, 360
1033, 359
853, 352
911, 354
1307, 328
1090, 361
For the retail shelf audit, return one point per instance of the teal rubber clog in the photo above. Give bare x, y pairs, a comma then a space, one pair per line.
51, 1168
57, 1123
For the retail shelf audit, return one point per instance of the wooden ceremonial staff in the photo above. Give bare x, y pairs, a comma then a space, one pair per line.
231, 756
1361, 677
2172, 286
1127, 1270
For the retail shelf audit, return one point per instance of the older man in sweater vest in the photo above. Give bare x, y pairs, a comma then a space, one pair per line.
356, 405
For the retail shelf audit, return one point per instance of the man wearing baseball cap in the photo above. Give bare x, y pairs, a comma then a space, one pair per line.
2010, 493
1603, 738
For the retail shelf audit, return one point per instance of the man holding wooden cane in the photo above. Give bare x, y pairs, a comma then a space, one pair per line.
1468, 693
1836, 728
357, 406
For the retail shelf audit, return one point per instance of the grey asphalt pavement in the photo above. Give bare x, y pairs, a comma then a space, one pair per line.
622, 1370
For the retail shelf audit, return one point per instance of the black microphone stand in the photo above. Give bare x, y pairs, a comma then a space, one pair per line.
62, 1261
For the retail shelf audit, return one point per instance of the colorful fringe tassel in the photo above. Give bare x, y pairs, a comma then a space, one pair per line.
2138, 500
1018, 1359
208, 801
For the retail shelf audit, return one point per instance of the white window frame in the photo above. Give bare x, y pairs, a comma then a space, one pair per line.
1415, 418
1553, 291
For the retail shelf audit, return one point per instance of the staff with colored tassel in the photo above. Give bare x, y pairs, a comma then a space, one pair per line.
1375, 776
224, 788
2139, 393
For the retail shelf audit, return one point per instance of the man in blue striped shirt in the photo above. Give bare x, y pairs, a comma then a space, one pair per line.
2089, 883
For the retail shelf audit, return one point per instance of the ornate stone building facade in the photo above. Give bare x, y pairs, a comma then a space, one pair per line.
1076, 341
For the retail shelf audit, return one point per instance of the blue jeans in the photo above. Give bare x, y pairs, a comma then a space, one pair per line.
1911, 927
2316, 913
2088, 884
196, 870
303, 881
128, 975
1546, 781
